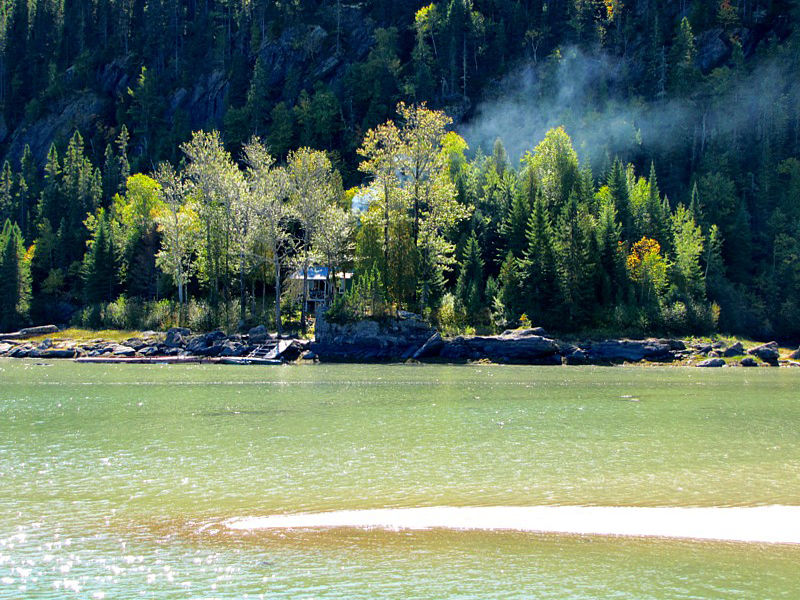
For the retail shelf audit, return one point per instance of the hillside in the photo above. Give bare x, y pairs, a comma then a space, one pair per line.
701, 98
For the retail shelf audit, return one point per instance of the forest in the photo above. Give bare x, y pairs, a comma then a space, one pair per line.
583, 165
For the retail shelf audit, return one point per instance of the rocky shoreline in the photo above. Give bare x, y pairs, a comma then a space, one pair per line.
392, 340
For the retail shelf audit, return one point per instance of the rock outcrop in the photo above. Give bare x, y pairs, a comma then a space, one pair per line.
389, 339
767, 352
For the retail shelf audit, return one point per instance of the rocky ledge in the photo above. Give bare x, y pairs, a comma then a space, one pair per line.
409, 337
177, 342
401, 339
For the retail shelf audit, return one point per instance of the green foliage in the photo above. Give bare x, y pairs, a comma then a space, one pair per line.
14, 278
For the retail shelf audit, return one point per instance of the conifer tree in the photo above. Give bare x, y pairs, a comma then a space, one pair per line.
618, 188
14, 278
539, 268
99, 267
572, 256
470, 285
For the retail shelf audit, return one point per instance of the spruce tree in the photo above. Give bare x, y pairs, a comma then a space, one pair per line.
14, 278
572, 255
470, 284
99, 268
539, 268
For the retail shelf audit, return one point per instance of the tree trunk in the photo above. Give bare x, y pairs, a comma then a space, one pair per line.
303, 308
277, 294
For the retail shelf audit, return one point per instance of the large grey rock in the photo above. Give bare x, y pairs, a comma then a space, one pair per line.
711, 50
736, 350
196, 344
539, 331
53, 353
629, 350
431, 348
767, 352
369, 340
176, 337
578, 356
511, 346
21, 351
231, 348
215, 336
149, 351
120, 350
712, 362
795, 355
77, 111
749, 361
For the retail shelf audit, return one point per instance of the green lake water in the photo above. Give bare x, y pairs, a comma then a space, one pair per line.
115, 480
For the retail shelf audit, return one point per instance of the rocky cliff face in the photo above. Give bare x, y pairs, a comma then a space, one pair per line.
301, 55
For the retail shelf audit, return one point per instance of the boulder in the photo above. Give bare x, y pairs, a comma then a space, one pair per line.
53, 353
135, 343
629, 350
767, 352
431, 348
215, 336
46, 343
712, 362
196, 344
579, 356
511, 346
369, 339
749, 361
525, 332
149, 351
231, 348
40, 330
20, 351
795, 355
703, 348
714, 354
120, 350
176, 337
736, 350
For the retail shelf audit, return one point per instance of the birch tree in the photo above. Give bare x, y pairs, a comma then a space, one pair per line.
311, 191
333, 242
267, 188
178, 224
208, 167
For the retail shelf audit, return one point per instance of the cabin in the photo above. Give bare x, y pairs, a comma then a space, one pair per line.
318, 286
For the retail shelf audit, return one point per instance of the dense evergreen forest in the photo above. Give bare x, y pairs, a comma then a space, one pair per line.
585, 165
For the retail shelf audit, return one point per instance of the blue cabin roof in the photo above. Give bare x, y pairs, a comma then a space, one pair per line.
320, 274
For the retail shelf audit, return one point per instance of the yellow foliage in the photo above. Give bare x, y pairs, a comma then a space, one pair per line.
612, 8
647, 267
642, 250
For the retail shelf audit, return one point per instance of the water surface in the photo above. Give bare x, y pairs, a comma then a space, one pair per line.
117, 479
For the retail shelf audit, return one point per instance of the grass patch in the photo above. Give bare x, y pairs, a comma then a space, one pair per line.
77, 334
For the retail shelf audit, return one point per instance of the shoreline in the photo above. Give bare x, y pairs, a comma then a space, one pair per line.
369, 342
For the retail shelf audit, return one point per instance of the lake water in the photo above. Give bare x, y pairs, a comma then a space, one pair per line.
118, 481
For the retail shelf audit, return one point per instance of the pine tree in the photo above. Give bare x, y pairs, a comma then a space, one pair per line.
99, 268
572, 256
14, 278
539, 269
618, 188
470, 285
683, 74
7, 200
